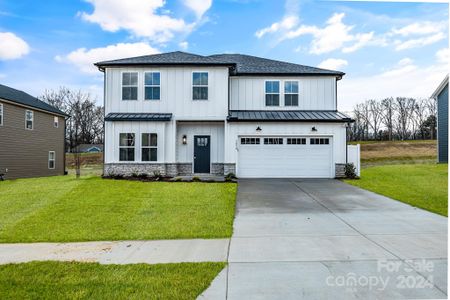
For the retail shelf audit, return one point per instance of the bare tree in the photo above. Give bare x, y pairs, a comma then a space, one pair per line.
403, 108
375, 115
387, 115
431, 104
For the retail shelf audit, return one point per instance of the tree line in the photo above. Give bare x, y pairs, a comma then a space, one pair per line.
399, 118
85, 125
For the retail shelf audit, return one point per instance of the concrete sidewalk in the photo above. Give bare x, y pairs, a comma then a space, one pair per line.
119, 252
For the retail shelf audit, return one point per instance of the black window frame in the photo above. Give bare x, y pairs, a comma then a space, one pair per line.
295, 141
319, 141
273, 141
250, 141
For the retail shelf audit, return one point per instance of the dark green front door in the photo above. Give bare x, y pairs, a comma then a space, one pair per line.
202, 153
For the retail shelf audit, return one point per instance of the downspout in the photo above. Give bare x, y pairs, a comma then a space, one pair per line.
104, 111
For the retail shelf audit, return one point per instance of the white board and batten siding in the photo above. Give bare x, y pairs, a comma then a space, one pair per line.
176, 93
315, 93
185, 153
285, 160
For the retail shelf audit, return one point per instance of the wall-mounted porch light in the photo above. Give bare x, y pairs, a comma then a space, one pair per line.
258, 129
314, 129
184, 140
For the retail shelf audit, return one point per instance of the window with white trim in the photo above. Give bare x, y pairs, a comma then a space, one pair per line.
129, 86
1, 114
319, 141
126, 146
149, 147
29, 119
51, 159
272, 93
250, 141
200, 85
273, 141
56, 122
296, 141
291, 93
152, 86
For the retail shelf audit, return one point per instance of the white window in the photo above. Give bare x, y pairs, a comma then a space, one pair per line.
200, 85
129, 86
126, 146
319, 141
152, 86
55, 122
1, 114
272, 93
29, 117
51, 159
149, 147
291, 93
250, 141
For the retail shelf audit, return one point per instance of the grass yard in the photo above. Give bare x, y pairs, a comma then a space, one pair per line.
70, 280
375, 153
420, 185
64, 209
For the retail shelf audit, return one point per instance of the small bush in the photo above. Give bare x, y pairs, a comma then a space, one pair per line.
230, 177
178, 179
196, 179
157, 175
143, 176
350, 171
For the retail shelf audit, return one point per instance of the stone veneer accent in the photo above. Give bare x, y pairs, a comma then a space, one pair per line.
340, 170
175, 169
229, 168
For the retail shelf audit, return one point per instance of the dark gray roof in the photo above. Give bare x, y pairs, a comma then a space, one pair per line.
288, 116
138, 117
240, 64
23, 98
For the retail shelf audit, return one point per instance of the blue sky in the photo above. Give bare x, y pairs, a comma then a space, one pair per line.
386, 49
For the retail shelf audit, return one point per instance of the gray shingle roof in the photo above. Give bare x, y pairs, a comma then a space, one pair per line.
138, 117
240, 64
23, 98
288, 116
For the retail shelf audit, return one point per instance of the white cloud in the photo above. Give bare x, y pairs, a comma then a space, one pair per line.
419, 28
333, 64
288, 22
419, 42
184, 45
142, 18
85, 58
443, 55
12, 46
404, 79
198, 6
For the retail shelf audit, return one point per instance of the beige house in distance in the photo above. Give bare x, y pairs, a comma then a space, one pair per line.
32, 135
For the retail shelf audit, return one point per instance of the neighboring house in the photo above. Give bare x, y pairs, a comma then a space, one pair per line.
182, 113
32, 136
90, 148
441, 96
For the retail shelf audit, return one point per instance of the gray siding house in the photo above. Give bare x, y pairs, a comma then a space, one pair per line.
441, 95
32, 135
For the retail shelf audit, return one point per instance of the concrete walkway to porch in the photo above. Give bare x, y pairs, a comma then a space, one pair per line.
119, 252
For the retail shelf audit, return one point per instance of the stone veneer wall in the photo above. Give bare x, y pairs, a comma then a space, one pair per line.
176, 169
340, 170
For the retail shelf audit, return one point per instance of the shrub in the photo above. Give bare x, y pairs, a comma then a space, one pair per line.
230, 177
157, 174
178, 179
350, 171
196, 179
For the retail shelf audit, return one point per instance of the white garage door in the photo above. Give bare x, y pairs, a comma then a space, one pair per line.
307, 157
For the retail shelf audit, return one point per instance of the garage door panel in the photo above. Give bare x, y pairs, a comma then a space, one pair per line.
285, 160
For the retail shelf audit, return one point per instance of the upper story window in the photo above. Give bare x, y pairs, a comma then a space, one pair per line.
200, 85
152, 86
126, 146
149, 147
291, 93
129, 86
29, 119
272, 93
1, 114
55, 122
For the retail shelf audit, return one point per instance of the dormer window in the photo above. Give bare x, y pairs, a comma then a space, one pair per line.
291, 93
152, 86
272, 93
200, 85
129, 86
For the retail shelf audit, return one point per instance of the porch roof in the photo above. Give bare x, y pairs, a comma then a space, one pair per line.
288, 116
138, 117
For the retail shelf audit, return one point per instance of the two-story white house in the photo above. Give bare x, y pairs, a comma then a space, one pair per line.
182, 113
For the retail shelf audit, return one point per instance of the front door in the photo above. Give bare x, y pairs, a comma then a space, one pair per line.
202, 153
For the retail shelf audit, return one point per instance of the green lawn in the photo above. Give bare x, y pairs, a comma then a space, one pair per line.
420, 185
64, 209
70, 280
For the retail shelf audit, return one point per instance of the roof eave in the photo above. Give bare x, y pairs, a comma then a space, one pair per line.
440, 87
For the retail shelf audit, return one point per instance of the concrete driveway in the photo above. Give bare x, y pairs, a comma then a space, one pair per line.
324, 239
